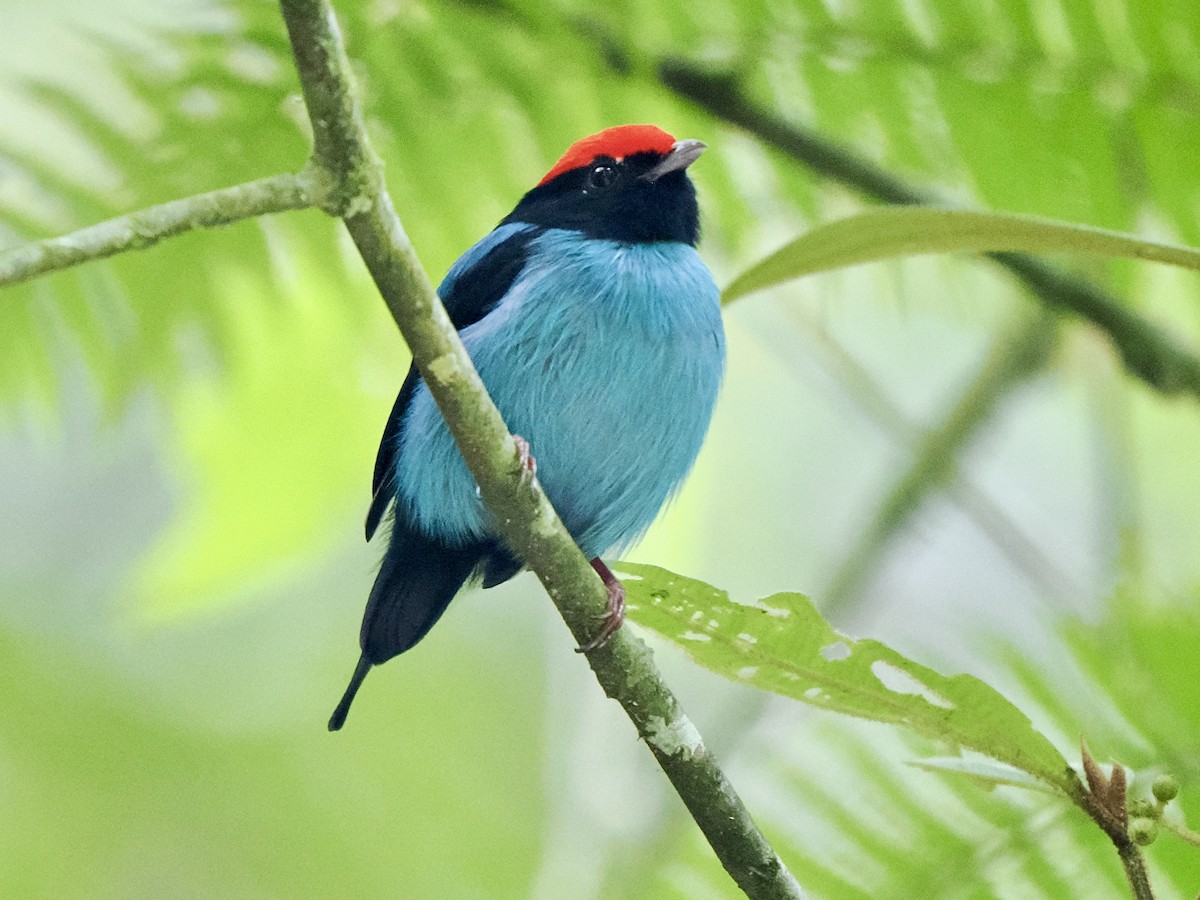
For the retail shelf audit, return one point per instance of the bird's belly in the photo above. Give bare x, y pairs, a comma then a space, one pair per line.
614, 428
614, 424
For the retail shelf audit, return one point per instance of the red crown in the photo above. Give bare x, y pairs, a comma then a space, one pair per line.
617, 142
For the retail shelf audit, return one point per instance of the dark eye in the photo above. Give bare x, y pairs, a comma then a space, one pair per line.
601, 177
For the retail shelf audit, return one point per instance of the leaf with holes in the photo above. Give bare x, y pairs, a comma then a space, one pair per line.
782, 644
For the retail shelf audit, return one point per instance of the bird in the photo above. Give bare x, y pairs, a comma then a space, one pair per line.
596, 328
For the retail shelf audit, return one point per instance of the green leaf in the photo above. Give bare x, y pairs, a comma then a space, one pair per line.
782, 644
924, 838
984, 772
909, 230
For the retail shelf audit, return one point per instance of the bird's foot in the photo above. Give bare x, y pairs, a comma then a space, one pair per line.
614, 615
524, 457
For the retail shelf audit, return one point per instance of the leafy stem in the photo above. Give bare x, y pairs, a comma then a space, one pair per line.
783, 645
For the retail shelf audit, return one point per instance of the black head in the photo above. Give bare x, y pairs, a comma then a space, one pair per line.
624, 184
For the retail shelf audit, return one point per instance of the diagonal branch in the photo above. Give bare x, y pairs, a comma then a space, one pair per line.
1015, 357
531, 527
874, 402
146, 227
1148, 351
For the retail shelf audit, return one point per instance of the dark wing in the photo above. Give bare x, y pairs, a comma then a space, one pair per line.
471, 289
385, 459
483, 275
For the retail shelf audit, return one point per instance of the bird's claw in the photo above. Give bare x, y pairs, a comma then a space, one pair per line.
524, 457
614, 615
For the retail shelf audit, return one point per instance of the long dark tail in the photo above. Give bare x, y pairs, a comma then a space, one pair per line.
417, 580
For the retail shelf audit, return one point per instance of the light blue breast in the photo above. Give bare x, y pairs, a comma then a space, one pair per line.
607, 358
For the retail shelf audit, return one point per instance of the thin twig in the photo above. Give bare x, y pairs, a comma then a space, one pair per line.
529, 524
1181, 831
1129, 853
146, 227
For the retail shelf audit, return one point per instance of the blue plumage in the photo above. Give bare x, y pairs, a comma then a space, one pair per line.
606, 358
600, 342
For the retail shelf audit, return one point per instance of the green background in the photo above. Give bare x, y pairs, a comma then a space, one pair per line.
187, 435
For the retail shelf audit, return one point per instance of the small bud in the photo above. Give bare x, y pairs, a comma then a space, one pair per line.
1143, 808
1143, 831
1165, 788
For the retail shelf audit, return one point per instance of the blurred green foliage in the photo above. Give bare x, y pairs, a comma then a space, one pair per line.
186, 439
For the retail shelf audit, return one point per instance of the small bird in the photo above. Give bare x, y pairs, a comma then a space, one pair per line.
597, 331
